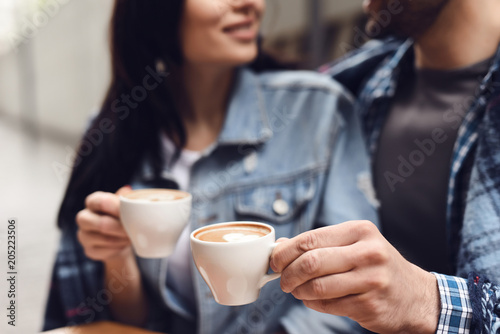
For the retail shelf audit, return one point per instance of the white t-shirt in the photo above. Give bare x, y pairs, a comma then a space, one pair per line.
181, 170
179, 275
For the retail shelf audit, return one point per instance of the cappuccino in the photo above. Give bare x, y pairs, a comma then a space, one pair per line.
232, 233
156, 195
233, 258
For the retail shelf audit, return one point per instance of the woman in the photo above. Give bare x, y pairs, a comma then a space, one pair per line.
186, 110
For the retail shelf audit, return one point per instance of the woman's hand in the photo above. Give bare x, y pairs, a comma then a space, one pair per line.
352, 270
100, 230
104, 239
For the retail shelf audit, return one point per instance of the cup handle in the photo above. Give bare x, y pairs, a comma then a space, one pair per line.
271, 277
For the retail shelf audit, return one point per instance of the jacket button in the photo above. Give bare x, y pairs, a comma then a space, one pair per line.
281, 207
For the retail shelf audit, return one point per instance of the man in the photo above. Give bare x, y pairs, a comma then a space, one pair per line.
431, 111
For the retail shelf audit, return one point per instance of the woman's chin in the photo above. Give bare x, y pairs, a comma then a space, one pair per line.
235, 58
243, 56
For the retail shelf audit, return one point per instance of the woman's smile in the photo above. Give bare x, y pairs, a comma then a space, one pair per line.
245, 31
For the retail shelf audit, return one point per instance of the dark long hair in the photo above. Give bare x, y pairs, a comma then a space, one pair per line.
144, 46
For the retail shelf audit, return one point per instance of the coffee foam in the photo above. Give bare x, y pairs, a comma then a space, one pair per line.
237, 237
232, 233
156, 195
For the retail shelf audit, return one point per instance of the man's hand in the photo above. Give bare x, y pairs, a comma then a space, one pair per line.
352, 270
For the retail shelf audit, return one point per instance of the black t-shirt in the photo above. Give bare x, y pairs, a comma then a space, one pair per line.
413, 161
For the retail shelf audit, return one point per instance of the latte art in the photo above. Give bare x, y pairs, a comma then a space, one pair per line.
237, 237
232, 233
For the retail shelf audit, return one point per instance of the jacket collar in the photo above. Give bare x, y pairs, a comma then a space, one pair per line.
246, 120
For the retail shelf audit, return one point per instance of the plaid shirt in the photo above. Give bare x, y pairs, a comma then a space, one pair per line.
372, 73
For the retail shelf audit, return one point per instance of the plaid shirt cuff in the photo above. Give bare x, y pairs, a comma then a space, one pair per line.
456, 309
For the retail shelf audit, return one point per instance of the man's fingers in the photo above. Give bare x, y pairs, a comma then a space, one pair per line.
317, 263
345, 306
281, 240
93, 222
106, 203
332, 236
333, 286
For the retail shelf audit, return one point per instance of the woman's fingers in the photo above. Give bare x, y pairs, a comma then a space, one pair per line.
100, 230
104, 253
101, 247
104, 203
93, 239
124, 191
90, 221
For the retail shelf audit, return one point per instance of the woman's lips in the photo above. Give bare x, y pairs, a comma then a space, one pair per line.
244, 31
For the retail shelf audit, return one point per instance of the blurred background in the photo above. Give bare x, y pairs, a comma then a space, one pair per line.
54, 71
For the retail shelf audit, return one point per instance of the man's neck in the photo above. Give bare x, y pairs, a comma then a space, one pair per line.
463, 35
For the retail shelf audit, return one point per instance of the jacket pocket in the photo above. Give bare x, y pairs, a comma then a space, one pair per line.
276, 203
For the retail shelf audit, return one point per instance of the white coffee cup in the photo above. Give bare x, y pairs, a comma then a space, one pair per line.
154, 219
235, 271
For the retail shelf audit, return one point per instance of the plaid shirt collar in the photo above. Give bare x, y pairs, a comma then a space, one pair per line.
380, 88
375, 97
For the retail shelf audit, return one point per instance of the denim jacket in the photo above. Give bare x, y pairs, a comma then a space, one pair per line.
290, 138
